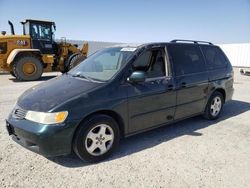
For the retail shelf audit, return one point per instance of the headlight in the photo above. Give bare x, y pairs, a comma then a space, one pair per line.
46, 118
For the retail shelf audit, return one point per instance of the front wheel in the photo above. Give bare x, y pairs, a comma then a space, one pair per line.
214, 106
97, 138
27, 68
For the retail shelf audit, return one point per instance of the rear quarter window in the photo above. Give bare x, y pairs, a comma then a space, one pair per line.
214, 56
186, 59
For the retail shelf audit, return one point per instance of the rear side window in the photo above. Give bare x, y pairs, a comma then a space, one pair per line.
214, 57
187, 59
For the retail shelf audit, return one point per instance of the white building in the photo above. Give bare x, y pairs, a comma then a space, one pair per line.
93, 45
238, 54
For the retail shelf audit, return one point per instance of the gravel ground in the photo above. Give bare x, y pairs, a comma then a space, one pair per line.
191, 153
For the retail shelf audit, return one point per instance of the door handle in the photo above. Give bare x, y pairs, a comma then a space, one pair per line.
170, 87
183, 84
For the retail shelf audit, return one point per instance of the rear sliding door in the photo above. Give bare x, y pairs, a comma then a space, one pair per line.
191, 78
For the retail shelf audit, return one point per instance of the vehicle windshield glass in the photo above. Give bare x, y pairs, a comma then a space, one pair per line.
103, 65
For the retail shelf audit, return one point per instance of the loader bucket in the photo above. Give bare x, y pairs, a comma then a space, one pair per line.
84, 50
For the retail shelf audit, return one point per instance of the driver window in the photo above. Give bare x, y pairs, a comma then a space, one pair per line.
41, 31
45, 31
152, 63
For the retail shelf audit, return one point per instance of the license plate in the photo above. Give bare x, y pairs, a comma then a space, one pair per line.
9, 128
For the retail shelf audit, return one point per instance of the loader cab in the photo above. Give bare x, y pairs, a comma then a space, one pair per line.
42, 35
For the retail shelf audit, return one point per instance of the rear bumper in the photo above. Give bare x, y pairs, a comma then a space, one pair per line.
229, 93
47, 140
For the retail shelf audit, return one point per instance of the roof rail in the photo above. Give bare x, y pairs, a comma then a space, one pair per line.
194, 41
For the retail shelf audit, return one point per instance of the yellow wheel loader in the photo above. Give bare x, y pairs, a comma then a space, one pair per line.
27, 56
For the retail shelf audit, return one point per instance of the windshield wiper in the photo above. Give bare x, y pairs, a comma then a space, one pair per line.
80, 76
86, 77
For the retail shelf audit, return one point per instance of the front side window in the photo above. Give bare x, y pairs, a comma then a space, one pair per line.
214, 57
45, 32
104, 64
186, 59
39, 31
152, 62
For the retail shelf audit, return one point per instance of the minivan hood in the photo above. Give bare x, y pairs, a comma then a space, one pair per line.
54, 92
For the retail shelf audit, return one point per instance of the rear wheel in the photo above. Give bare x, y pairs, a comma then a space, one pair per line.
27, 67
214, 106
97, 138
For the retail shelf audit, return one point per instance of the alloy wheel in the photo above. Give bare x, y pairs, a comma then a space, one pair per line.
215, 106
99, 139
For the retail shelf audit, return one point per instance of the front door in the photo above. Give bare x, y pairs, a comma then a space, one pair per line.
41, 37
152, 102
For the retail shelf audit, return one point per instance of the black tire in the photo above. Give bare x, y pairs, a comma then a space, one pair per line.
34, 70
81, 140
67, 62
12, 74
211, 113
75, 60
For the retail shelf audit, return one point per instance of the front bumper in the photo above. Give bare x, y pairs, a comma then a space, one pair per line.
47, 140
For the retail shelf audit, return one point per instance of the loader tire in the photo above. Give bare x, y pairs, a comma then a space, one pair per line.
12, 74
77, 59
27, 68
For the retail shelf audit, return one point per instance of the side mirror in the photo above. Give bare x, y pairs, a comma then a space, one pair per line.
137, 76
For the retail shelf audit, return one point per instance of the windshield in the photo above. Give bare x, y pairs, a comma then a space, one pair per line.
103, 65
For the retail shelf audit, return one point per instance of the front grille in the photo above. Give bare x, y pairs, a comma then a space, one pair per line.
19, 113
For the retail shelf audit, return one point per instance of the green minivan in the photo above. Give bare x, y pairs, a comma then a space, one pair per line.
118, 92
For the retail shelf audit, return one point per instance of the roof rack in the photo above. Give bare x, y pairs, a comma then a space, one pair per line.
194, 41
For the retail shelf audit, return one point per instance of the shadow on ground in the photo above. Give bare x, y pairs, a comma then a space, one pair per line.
43, 78
154, 137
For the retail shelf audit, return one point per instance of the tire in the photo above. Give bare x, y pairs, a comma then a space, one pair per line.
75, 60
67, 62
214, 106
27, 68
96, 138
12, 74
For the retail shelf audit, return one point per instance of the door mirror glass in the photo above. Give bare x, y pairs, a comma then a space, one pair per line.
137, 76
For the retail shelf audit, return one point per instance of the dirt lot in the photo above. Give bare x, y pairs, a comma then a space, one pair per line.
191, 153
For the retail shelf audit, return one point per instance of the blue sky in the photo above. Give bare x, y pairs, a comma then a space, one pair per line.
218, 21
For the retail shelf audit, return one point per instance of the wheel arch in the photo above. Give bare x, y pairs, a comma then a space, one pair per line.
206, 107
222, 91
107, 112
18, 52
